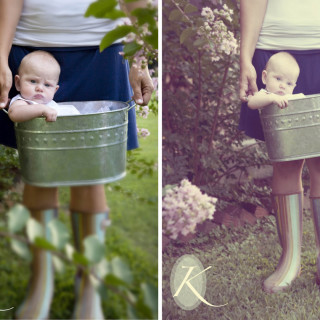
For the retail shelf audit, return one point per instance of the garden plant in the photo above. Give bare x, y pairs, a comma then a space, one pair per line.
202, 144
123, 272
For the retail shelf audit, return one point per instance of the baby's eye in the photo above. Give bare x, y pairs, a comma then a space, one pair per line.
278, 78
290, 84
47, 85
33, 81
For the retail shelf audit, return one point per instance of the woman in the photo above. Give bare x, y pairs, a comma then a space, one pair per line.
266, 28
86, 75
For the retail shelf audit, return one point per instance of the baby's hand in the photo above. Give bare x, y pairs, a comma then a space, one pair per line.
50, 114
281, 101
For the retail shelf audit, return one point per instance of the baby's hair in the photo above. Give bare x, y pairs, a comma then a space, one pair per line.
38, 53
281, 54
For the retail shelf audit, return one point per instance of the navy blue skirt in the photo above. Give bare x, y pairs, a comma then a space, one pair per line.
86, 75
308, 83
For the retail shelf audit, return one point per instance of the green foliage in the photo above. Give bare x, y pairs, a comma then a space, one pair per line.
113, 35
143, 28
105, 9
201, 108
115, 275
9, 167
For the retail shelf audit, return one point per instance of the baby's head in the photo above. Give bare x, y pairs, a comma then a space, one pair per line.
38, 76
281, 73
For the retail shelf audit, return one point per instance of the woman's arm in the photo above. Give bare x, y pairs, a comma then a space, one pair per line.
10, 11
251, 18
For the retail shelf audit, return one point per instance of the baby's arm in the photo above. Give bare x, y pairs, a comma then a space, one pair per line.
20, 111
262, 99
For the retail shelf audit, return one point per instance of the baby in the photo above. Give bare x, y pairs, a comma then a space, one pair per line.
280, 76
37, 82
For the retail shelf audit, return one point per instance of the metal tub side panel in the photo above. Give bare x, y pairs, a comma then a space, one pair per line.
74, 150
292, 133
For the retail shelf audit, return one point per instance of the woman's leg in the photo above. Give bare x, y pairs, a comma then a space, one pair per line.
286, 177
89, 216
43, 204
287, 198
314, 171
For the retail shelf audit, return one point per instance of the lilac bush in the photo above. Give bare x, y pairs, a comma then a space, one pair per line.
184, 206
201, 105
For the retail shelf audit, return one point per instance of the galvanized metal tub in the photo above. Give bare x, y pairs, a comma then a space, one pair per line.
75, 150
294, 132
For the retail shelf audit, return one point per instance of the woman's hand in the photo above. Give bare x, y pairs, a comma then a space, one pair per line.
141, 84
248, 78
5, 84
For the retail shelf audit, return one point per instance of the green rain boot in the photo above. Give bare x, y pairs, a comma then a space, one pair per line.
41, 285
288, 210
315, 209
88, 301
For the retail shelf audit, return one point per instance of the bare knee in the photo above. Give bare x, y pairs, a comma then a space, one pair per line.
38, 198
288, 169
88, 199
287, 177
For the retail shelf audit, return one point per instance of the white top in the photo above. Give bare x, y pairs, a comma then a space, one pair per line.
63, 110
291, 25
60, 23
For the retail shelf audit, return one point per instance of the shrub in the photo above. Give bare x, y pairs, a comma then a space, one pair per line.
183, 207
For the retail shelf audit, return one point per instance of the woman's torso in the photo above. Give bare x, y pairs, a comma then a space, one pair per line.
291, 25
60, 23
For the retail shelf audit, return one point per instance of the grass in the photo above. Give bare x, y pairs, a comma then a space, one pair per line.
132, 235
241, 259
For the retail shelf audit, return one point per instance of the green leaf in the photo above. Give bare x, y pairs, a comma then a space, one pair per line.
121, 270
79, 258
186, 33
70, 250
152, 39
200, 42
145, 15
94, 249
115, 34
150, 297
103, 268
18, 216
34, 229
112, 280
21, 249
99, 287
104, 9
59, 233
131, 48
58, 264
43, 243
175, 15
189, 8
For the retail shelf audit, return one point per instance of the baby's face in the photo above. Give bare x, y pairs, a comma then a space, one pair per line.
280, 80
37, 81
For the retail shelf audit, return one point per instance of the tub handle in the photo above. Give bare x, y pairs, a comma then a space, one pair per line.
132, 105
5, 111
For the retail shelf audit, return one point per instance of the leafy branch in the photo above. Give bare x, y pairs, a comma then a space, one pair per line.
114, 275
140, 29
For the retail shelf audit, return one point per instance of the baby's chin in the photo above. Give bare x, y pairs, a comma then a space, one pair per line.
39, 101
281, 93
